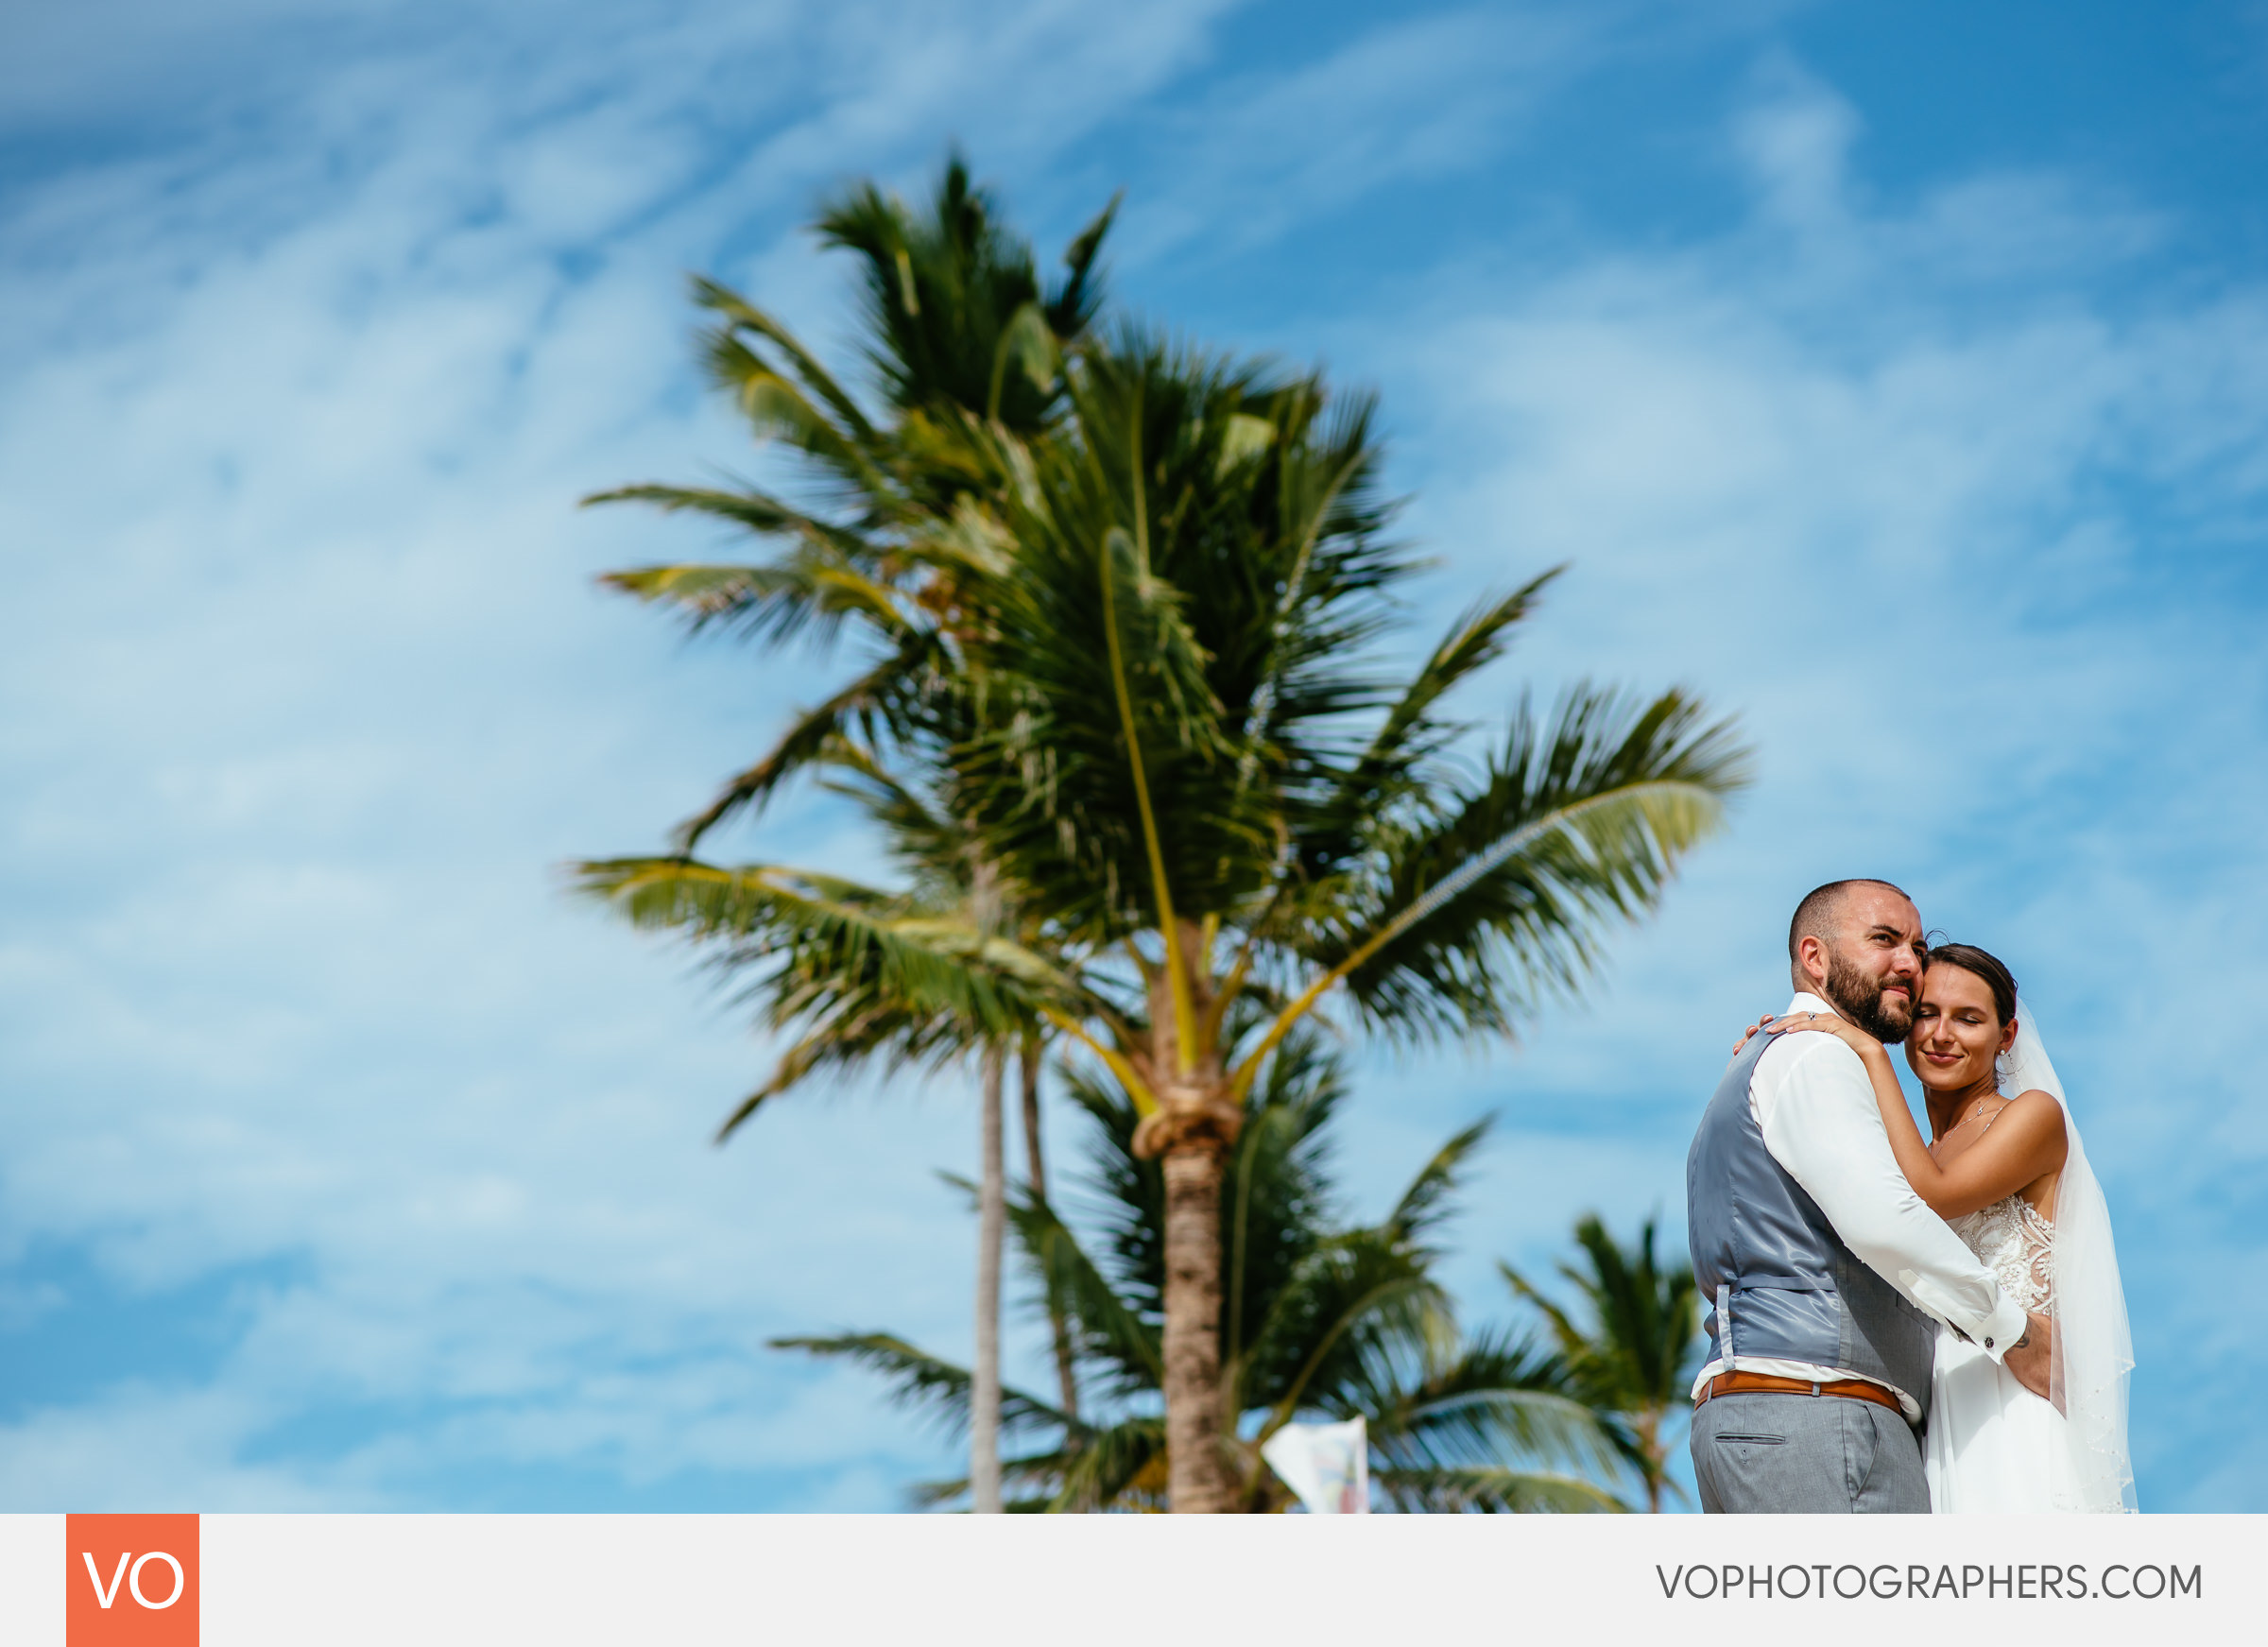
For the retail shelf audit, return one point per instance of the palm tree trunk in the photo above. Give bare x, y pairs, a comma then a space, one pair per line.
1066, 1379
991, 1221
1649, 1435
1197, 1474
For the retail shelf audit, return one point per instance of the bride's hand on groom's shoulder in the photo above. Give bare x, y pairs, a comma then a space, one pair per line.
1796, 1023
1749, 1034
1850, 1033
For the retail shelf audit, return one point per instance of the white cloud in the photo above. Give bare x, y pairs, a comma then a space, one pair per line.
1405, 101
147, 1451
1962, 536
309, 695
313, 694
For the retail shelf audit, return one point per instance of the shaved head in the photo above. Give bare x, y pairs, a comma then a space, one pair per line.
1860, 945
1821, 913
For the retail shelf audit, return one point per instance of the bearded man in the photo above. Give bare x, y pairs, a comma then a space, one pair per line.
1823, 1274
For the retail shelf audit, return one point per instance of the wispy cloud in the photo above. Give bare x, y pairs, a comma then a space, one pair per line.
1969, 533
1956, 497
309, 692
1250, 153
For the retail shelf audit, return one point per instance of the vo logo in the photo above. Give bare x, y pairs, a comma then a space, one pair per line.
129, 1580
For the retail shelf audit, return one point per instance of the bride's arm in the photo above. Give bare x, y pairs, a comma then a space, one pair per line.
2024, 1141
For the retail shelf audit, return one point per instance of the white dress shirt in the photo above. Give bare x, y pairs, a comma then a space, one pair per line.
1810, 1096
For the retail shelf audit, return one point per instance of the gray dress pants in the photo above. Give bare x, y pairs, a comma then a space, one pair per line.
1768, 1454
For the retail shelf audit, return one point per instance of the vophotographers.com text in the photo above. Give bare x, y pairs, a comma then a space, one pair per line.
2027, 1582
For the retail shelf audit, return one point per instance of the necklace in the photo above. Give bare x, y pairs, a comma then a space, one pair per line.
1977, 1112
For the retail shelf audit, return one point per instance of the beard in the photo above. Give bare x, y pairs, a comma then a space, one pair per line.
1860, 998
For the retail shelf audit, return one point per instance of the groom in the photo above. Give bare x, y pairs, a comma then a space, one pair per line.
1823, 1274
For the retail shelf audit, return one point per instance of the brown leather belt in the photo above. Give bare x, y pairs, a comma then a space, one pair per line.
1745, 1384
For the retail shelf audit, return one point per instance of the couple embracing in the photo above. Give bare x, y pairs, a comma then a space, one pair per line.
1894, 1324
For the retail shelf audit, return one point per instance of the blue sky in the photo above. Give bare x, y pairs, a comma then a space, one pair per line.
1894, 374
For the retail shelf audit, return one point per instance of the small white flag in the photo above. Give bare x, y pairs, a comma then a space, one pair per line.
1328, 1466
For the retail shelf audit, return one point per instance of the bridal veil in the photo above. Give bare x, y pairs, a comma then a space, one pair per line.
2094, 1346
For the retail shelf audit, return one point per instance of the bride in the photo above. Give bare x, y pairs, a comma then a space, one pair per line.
2009, 1176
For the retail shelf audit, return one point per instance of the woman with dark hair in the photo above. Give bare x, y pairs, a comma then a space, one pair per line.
2007, 1173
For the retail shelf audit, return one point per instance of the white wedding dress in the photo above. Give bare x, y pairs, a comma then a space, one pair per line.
1992, 1445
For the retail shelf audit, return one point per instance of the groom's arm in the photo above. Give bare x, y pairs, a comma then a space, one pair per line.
1817, 1111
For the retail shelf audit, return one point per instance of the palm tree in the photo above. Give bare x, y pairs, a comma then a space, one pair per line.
1634, 1362
1324, 1320
1142, 689
955, 318
1189, 769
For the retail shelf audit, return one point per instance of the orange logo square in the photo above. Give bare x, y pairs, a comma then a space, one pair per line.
129, 1580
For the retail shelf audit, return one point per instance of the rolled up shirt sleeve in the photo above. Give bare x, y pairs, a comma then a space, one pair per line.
1816, 1110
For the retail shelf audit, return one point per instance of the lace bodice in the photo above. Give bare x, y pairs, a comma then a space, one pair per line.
2017, 1243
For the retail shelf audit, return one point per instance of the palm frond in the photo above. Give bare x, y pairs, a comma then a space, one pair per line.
1572, 1337
1116, 1466
737, 313
814, 587
877, 695
1581, 819
1354, 1289
831, 949
1108, 1328
944, 287
1425, 1203
920, 1382
1633, 1361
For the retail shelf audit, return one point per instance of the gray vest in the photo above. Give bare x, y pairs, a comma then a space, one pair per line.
1776, 1278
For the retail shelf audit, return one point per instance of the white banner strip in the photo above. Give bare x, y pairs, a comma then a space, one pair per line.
285, 1581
